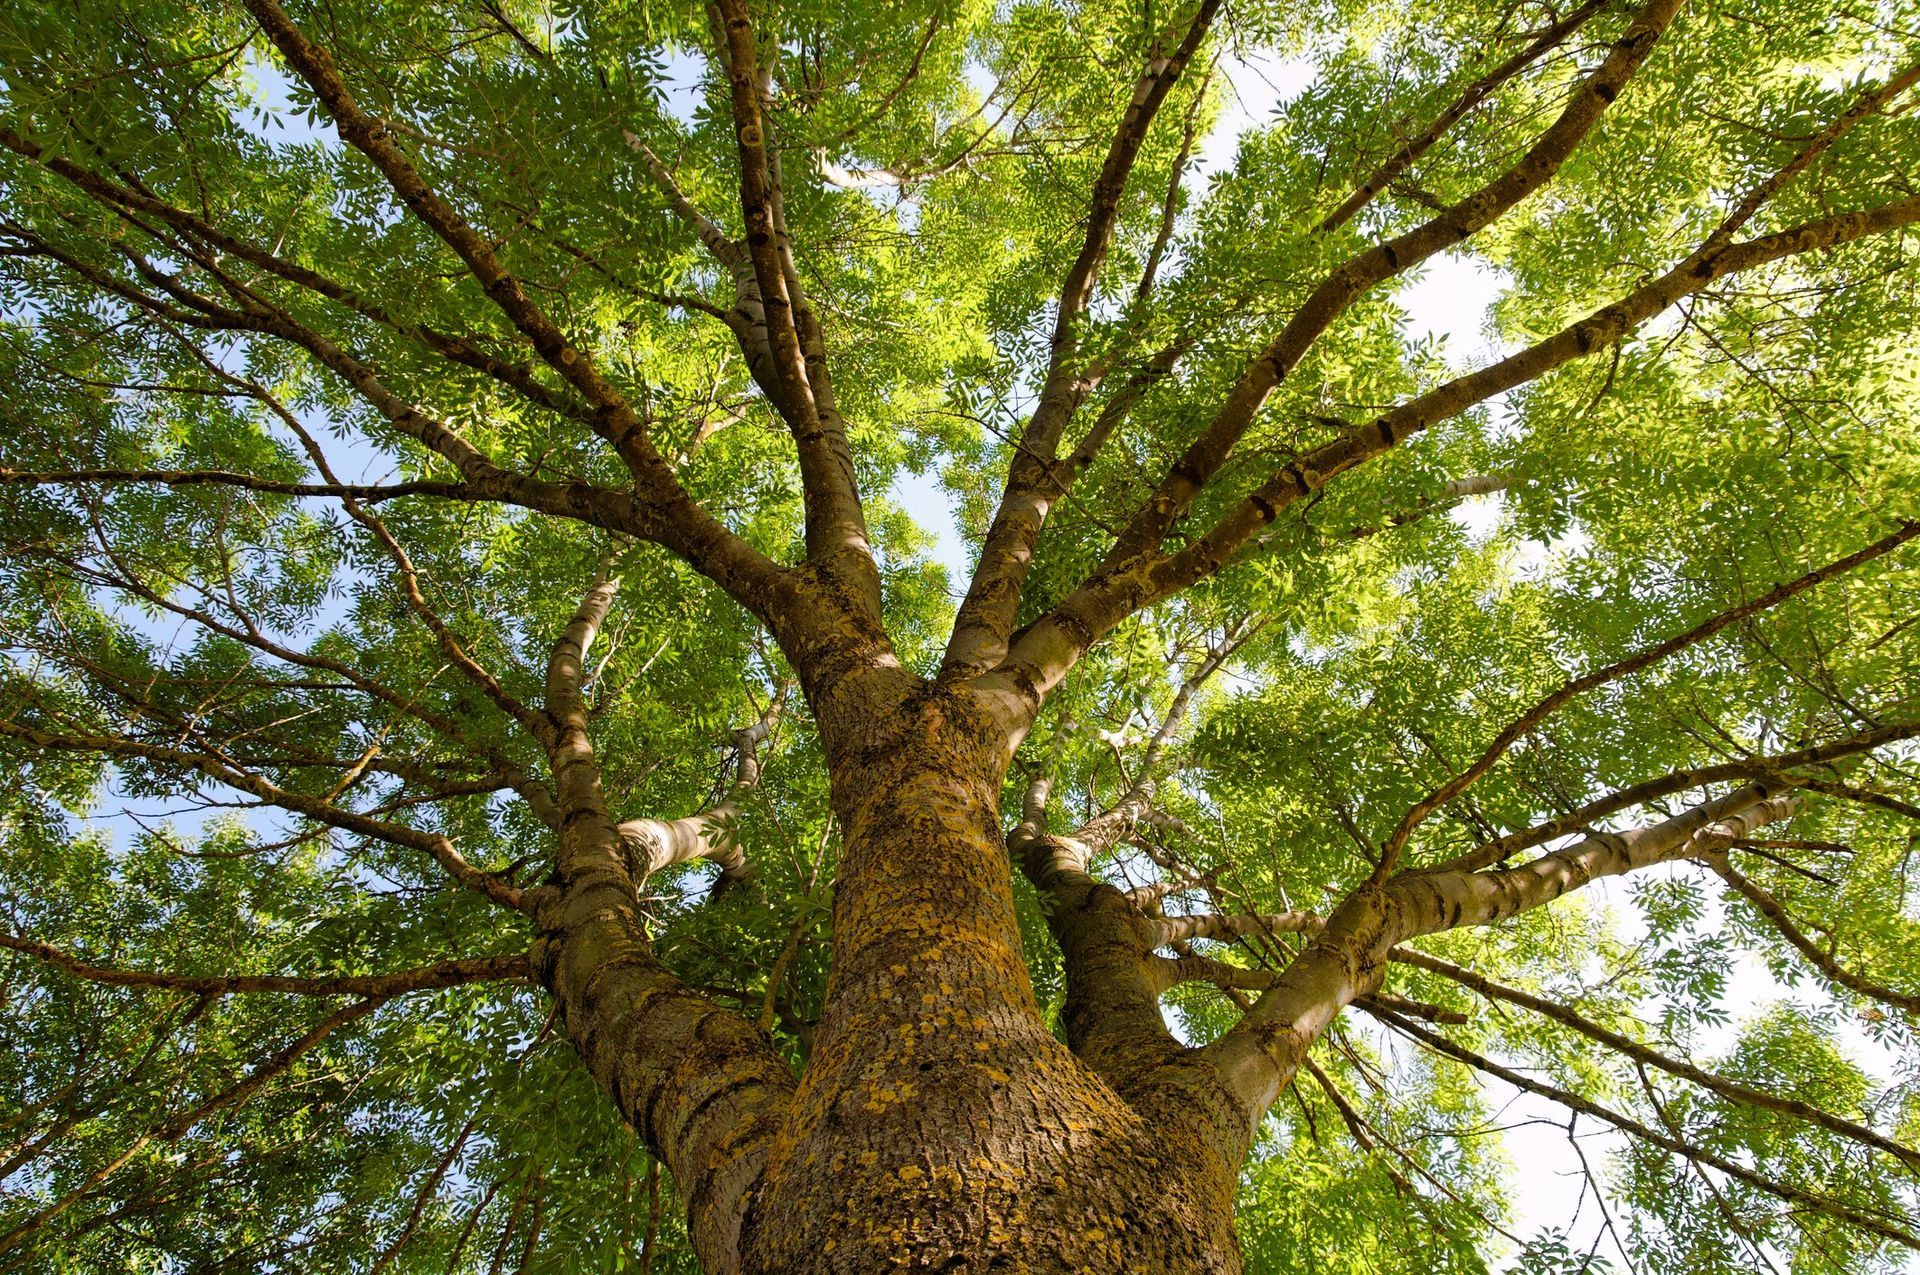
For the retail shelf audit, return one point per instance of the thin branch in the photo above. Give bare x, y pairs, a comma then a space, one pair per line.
1647, 1055
1582, 818
1050, 646
1818, 1203
178, 1126
455, 973
1393, 166
1202, 459
422, 1198
1776, 913
673, 518
1645, 658
437, 847
221, 478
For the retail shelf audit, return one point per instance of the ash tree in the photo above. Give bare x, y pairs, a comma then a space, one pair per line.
502, 778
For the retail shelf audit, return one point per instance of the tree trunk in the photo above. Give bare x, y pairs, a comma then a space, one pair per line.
940, 1125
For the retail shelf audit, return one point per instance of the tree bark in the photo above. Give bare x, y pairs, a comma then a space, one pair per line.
940, 1125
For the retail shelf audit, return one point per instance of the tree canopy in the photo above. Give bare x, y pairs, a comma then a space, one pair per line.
347, 347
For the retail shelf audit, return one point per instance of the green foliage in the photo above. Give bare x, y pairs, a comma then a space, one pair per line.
1389, 629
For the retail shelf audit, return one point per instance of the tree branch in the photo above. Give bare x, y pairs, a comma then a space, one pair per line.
178, 1126
1502, 848
435, 846
1776, 913
1646, 657
836, 523
674, 519
1050, 646
699, 1083
1818, 1203
369, 493
473, 969
1475, 93
980, 630
653, 844
1199, 463
1348, 955
1646, 1054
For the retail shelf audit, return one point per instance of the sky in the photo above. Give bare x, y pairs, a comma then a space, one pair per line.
1448, 300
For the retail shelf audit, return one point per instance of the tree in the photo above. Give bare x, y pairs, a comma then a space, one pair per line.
501, 781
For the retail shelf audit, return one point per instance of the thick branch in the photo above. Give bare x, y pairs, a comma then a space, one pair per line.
1221, 926
1348, 957
1114, 983
1171, 971
1049, 647
698, 1082
1475, 93
1199, 463
836, 523
653, 844
993, 596
1434, 901
1502, 848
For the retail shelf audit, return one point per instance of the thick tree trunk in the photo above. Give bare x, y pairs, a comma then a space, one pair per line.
940, 1125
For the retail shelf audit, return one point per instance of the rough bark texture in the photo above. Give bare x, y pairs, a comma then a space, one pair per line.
698, 1083
940, 1125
